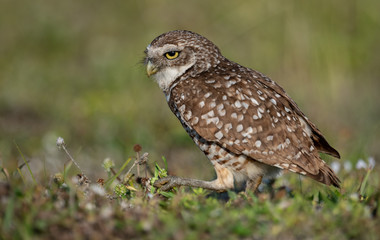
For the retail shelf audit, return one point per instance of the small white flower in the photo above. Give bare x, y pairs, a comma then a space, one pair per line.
60, 142
124, 205
371, 162
347, 166
150, 196
75, 179
354, 197
335, 166
98, 190
89, 206
108, 163
361, 164
106, 212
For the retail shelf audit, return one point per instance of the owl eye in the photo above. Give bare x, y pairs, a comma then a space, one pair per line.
172, 55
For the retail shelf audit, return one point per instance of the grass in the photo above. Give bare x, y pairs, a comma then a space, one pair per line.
72, 206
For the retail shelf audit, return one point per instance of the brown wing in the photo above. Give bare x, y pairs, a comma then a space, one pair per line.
246, 116
319, 141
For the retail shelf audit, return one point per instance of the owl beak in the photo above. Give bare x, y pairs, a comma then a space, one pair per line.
151, 69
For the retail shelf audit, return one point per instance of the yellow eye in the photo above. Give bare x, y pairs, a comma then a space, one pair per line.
172, 55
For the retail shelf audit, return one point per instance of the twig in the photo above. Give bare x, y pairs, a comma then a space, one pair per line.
5, 171
137, 148
61, 144
114, 173
138, 165
133, 165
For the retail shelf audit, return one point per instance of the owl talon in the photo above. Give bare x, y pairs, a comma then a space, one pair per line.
166, 183
253, 185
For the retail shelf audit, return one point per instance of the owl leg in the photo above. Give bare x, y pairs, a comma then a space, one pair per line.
253, 184
224, 181
170, 182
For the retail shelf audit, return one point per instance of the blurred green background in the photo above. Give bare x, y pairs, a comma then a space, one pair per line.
73, 69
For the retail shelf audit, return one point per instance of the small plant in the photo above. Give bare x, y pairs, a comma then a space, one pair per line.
120, 190
126, 204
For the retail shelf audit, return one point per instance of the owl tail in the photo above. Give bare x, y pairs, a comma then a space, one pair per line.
326, 176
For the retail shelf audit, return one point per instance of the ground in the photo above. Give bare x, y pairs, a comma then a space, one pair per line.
66, 206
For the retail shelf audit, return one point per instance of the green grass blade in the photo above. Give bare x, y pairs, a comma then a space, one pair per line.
26, 163
66, 169
364, 183
165, 163
21, 175
110, 181
9, 213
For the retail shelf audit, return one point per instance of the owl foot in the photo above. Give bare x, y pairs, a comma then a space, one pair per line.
170, 182
253, 184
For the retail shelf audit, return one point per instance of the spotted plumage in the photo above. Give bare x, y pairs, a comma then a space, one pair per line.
243, 121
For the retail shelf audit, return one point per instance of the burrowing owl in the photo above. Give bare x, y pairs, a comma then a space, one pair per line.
243, 121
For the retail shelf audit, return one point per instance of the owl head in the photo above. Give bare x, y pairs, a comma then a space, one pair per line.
176, 53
